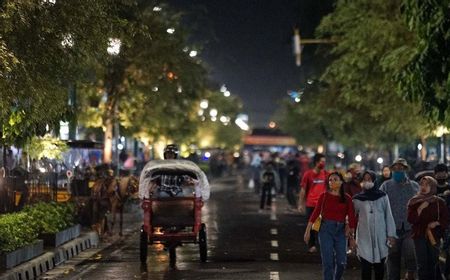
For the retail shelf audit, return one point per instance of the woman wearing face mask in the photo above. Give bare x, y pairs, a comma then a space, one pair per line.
376, 227
428, 215
335, 207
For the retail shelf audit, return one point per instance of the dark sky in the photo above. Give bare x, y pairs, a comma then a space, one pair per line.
248, 47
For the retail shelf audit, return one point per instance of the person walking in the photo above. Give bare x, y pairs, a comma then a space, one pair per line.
311, 187
269, 181
443, 191
376, 227
400, 189
352, 184
292, 182
385, 175
335, 208
429, 218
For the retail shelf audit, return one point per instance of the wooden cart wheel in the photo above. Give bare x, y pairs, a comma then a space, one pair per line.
202, 244
143, 246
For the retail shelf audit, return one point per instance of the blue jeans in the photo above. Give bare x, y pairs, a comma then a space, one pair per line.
333, 249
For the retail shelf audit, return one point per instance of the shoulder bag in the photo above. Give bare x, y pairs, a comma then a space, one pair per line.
318, 221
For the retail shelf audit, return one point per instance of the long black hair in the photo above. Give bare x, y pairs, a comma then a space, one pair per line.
343, 199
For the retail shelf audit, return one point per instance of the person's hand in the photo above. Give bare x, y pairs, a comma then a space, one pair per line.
307, 236
352, 244
422, 206
348, 231
433, 225
301, 209
391, 241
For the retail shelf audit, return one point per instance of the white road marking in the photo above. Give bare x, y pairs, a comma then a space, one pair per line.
274, 243
273, 231
273, 217
274, 256
274, 275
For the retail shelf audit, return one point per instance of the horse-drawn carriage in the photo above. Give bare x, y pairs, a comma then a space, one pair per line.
172, 194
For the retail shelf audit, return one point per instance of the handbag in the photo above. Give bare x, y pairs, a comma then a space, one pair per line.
317, 223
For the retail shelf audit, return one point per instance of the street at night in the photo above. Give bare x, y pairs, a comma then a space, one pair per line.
242, 244
225, 139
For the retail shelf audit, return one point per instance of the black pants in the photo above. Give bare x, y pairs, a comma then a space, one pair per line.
290, 195
366, 269
266, 192
427, 259
313, 234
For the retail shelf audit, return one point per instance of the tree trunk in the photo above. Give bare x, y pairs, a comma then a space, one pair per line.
108, 140
423, 152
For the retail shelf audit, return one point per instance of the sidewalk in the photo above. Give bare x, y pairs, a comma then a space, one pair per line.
55, 263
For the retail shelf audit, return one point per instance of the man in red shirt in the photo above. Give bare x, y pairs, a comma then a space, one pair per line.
311, 187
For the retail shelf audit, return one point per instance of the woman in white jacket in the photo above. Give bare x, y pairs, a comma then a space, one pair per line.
376, 228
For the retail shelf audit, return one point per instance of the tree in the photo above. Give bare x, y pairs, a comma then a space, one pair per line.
151, 85
426, 78
360, 104
221, 130
44, 46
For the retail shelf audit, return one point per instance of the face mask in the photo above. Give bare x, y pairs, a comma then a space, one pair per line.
441, 181
321, 165
398, 176
367, 185
335, 185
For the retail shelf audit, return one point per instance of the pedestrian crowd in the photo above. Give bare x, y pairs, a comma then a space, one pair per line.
396, 226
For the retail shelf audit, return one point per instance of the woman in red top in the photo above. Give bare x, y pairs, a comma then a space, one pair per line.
335, 207
428, 215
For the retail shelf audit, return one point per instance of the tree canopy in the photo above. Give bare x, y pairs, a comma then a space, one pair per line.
426, 78
359, 102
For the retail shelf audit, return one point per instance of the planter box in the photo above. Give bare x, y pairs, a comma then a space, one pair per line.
59, 238
14, 258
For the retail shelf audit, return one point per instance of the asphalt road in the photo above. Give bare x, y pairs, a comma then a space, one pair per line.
242, 244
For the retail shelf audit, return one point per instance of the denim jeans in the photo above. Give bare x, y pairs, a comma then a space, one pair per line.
333, 249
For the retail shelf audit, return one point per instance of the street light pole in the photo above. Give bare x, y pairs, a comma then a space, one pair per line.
299, 42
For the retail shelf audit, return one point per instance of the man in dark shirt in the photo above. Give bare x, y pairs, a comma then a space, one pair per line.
441, 176
443, 191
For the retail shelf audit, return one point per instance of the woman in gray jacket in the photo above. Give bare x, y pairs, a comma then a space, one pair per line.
376, 228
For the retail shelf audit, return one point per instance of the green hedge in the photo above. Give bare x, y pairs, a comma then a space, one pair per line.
51, 217
16, 231
20, 229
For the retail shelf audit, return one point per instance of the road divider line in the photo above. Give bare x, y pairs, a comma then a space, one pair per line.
273, 217
274, 256
274, 243
273, 231
274, 275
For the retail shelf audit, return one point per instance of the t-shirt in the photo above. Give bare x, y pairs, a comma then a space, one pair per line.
334, 209
314, 185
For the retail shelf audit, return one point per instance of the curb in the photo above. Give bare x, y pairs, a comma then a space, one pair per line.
49, 260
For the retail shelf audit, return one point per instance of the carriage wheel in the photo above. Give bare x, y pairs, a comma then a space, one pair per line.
202, 243
172, 256
143, 246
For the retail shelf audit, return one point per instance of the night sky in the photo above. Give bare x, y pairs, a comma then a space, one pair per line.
247, 45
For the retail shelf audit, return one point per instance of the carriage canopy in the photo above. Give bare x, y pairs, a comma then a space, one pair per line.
172, 166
